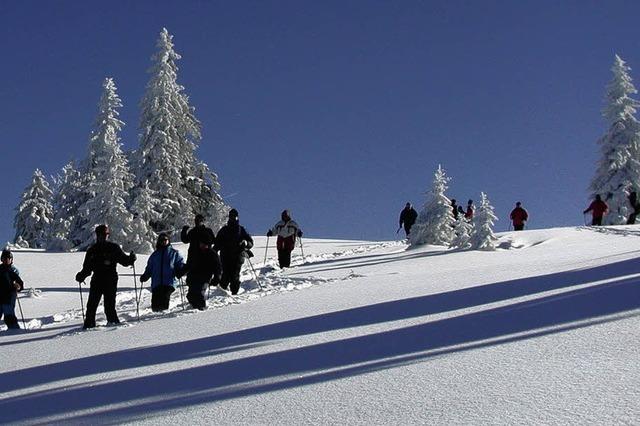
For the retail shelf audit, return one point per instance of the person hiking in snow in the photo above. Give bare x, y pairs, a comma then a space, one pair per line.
635, 208
598, 209
460, 210
408, 217
196, 235
469, 213
10, 285
518, 216
287, 230
234, 243
454, 208
101, 260
203, 270
163, 267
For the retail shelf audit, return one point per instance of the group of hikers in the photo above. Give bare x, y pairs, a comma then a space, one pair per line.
409, 215
204, 266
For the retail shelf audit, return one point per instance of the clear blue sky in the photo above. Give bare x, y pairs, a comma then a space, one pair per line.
338, 110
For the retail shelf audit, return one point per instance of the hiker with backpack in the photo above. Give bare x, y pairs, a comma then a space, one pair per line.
598, 209
234, 243
518, 217
200, 233
204, 270
408, 217
101, 260
163, 267
287, 230
10, 285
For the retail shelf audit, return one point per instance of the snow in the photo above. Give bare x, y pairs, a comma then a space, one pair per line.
544, 330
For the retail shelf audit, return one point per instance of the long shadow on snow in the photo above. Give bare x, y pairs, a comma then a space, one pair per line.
354, 317
332, 360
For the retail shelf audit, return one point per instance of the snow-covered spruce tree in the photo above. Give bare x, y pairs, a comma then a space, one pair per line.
618, 170
35, 212
435, 221
165, 161
142, 236
482, 237
66, 201
110, 179
462, 230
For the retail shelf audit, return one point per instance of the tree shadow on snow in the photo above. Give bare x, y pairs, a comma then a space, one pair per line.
306, 365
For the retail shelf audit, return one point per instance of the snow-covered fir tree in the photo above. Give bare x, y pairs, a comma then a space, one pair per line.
435, 220
144, 213
462, 230
618, 170
35, 212
108, 173
66, 201
482, 236
165, 161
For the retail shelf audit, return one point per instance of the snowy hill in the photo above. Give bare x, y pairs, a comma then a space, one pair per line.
544, 330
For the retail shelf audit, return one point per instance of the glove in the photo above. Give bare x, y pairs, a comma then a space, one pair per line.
243, 244
269, 233
144, 278
133, 257
299, 233
79, 277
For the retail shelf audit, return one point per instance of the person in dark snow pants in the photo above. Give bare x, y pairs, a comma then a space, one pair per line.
101, 260
598, 209
234, 243
196, 235
408, 217
203, 270
163, 267
287, 230
518, 216
10, 285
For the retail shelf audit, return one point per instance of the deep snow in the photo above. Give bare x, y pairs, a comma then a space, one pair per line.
543, 330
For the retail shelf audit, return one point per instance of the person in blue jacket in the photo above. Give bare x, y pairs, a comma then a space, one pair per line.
163, 267
10, 285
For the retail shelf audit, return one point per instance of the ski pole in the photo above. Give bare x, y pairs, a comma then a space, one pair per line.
302, 250
265, 251
81, 301
21, 314
399, 228
254, 273
182, 293
584, 216
135, 286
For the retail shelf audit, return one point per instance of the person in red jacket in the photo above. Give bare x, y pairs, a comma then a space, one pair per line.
598, 209
518, 216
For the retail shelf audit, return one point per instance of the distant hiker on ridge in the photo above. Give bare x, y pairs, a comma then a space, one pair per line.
163, 267
598, 209
10, 285
518, 216
635, 207
454, 207
408, 217
287, 230
101, 260
469, 213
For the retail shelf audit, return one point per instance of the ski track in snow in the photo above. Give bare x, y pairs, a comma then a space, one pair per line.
271, 279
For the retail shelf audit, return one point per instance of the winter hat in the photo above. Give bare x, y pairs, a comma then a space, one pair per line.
102, 230
199, 218
6, 254
161, 237
286, 215
233, 214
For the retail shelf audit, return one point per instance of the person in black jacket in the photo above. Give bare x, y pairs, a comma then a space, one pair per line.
196, 235
635, 208
101, 260
408, 217
203, 271
234, 243
10, 285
